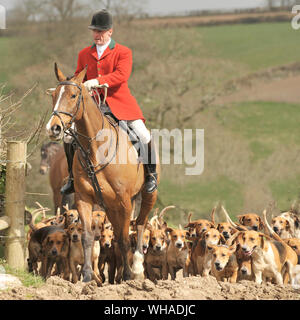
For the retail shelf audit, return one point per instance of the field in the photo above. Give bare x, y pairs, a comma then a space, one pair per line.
242, 138
238, 82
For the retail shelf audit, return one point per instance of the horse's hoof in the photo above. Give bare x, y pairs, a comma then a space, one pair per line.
87, 277
138, 276
127, 276
137, 267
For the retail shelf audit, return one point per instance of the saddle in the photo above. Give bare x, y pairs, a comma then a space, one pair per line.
122, 124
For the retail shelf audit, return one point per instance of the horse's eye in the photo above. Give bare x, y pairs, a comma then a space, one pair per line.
73, 96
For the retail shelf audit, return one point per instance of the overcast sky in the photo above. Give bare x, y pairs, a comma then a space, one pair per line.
176, 6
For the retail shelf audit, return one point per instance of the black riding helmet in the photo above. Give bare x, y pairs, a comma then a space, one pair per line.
102, 20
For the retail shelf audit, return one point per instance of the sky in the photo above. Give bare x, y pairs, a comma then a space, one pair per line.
164, 7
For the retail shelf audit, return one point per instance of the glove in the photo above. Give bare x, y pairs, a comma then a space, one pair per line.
91, 83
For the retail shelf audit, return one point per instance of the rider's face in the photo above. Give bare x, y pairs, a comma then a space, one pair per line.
101, 37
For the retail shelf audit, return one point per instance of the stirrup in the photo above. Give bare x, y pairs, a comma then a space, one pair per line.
151, 182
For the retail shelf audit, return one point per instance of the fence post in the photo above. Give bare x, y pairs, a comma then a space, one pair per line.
15, 203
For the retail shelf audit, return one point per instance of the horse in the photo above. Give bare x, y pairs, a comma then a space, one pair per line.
53, 159
120, 182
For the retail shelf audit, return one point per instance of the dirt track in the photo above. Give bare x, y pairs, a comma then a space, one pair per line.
192, 288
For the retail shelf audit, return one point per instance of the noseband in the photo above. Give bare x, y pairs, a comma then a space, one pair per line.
73, 116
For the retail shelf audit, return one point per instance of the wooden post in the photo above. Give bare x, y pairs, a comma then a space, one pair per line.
15, 203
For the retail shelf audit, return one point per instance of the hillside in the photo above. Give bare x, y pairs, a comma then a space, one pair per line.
189, 78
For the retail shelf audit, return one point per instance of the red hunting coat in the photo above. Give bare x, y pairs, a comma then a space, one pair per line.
113, 68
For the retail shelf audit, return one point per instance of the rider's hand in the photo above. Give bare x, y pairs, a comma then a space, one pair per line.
91, 83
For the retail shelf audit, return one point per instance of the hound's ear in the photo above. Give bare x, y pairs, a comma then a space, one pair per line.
187, 234
297, 221
261, 223
232, 248
133, 238
59, 75
241, 219
190, 225
218, 226
288, 226
79, 78
169, 229
45, 242
262, 240
223, 240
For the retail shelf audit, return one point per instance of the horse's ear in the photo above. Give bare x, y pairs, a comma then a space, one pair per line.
79, 78
59, 75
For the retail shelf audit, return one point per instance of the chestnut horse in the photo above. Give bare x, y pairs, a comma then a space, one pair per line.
120, 182
53, 158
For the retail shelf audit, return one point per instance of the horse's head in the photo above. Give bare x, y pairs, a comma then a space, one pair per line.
67, 103
47, 150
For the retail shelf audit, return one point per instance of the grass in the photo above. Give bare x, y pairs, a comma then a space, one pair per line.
257, 46
25, 277
270, 123
285, 191
260, 150
6, 45
200, 197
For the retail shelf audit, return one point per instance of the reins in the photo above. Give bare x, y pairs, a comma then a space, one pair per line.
87, 164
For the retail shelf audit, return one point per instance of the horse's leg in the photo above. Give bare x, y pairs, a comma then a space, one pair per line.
66, 200
120, 221
148, 201
84, 208
57, 199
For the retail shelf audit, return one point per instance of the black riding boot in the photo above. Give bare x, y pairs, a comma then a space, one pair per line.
69, 186
150, 168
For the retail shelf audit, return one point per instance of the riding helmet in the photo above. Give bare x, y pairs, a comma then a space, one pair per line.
102, 20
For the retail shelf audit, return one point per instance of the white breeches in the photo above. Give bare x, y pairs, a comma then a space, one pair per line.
138, 126
140, 129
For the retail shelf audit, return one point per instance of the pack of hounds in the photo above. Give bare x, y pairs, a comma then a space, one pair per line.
251, 249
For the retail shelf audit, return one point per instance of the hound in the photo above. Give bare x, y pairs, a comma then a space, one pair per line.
224, 263
178, 252
156, 257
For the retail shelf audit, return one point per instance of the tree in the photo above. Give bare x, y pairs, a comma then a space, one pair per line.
123, 10
270, 4
50, 9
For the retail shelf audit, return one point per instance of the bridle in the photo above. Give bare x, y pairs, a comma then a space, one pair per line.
86, 164
73, 116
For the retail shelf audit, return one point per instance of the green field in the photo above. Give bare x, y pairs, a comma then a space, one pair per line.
251, 148
257, 46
